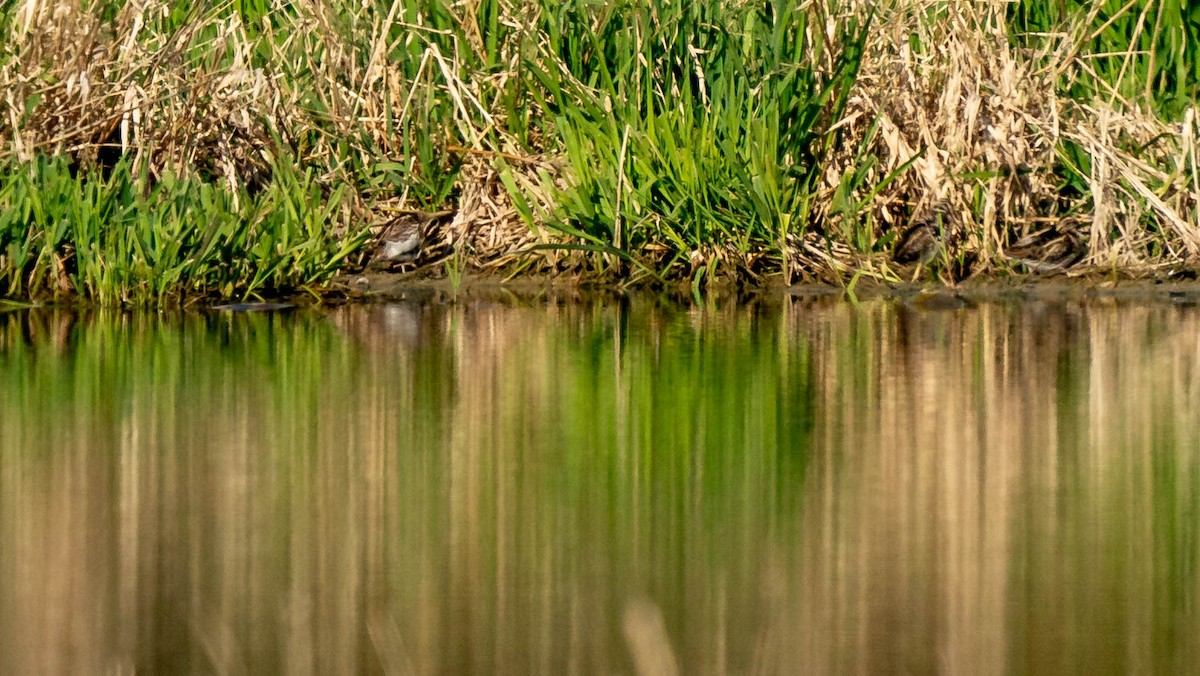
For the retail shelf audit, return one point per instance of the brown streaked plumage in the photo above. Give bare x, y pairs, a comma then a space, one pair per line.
403, 240
1048, 251
919, 244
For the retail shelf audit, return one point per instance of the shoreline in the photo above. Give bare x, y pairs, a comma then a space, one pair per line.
387, 289
390, 289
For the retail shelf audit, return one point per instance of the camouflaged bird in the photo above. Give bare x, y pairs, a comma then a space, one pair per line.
403, 239
924, 239
1048, 251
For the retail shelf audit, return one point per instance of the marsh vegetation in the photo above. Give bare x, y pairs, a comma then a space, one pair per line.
154, 151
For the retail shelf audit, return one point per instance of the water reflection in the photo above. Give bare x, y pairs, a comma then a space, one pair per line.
598, 488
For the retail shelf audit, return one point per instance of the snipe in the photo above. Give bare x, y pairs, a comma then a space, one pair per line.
403, 240
925, 237
1048, 251
919, 244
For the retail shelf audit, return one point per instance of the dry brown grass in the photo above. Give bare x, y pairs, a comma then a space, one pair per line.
986, 125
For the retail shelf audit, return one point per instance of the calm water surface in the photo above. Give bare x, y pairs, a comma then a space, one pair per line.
583, 488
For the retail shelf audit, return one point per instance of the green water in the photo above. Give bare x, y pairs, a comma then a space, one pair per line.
575, 488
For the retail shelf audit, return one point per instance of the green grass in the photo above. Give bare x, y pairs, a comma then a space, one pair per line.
125, 239
695, 125
1142, 51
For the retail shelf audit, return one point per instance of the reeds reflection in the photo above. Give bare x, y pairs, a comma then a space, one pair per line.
599, 488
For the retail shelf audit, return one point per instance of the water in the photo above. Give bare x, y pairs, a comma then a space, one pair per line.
590, 488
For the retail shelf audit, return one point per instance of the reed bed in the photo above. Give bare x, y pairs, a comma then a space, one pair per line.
152, 151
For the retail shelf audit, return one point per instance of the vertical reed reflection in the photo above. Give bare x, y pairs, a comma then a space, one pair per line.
598, 488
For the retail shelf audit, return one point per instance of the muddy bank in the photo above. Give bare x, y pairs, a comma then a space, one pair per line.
384, 287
